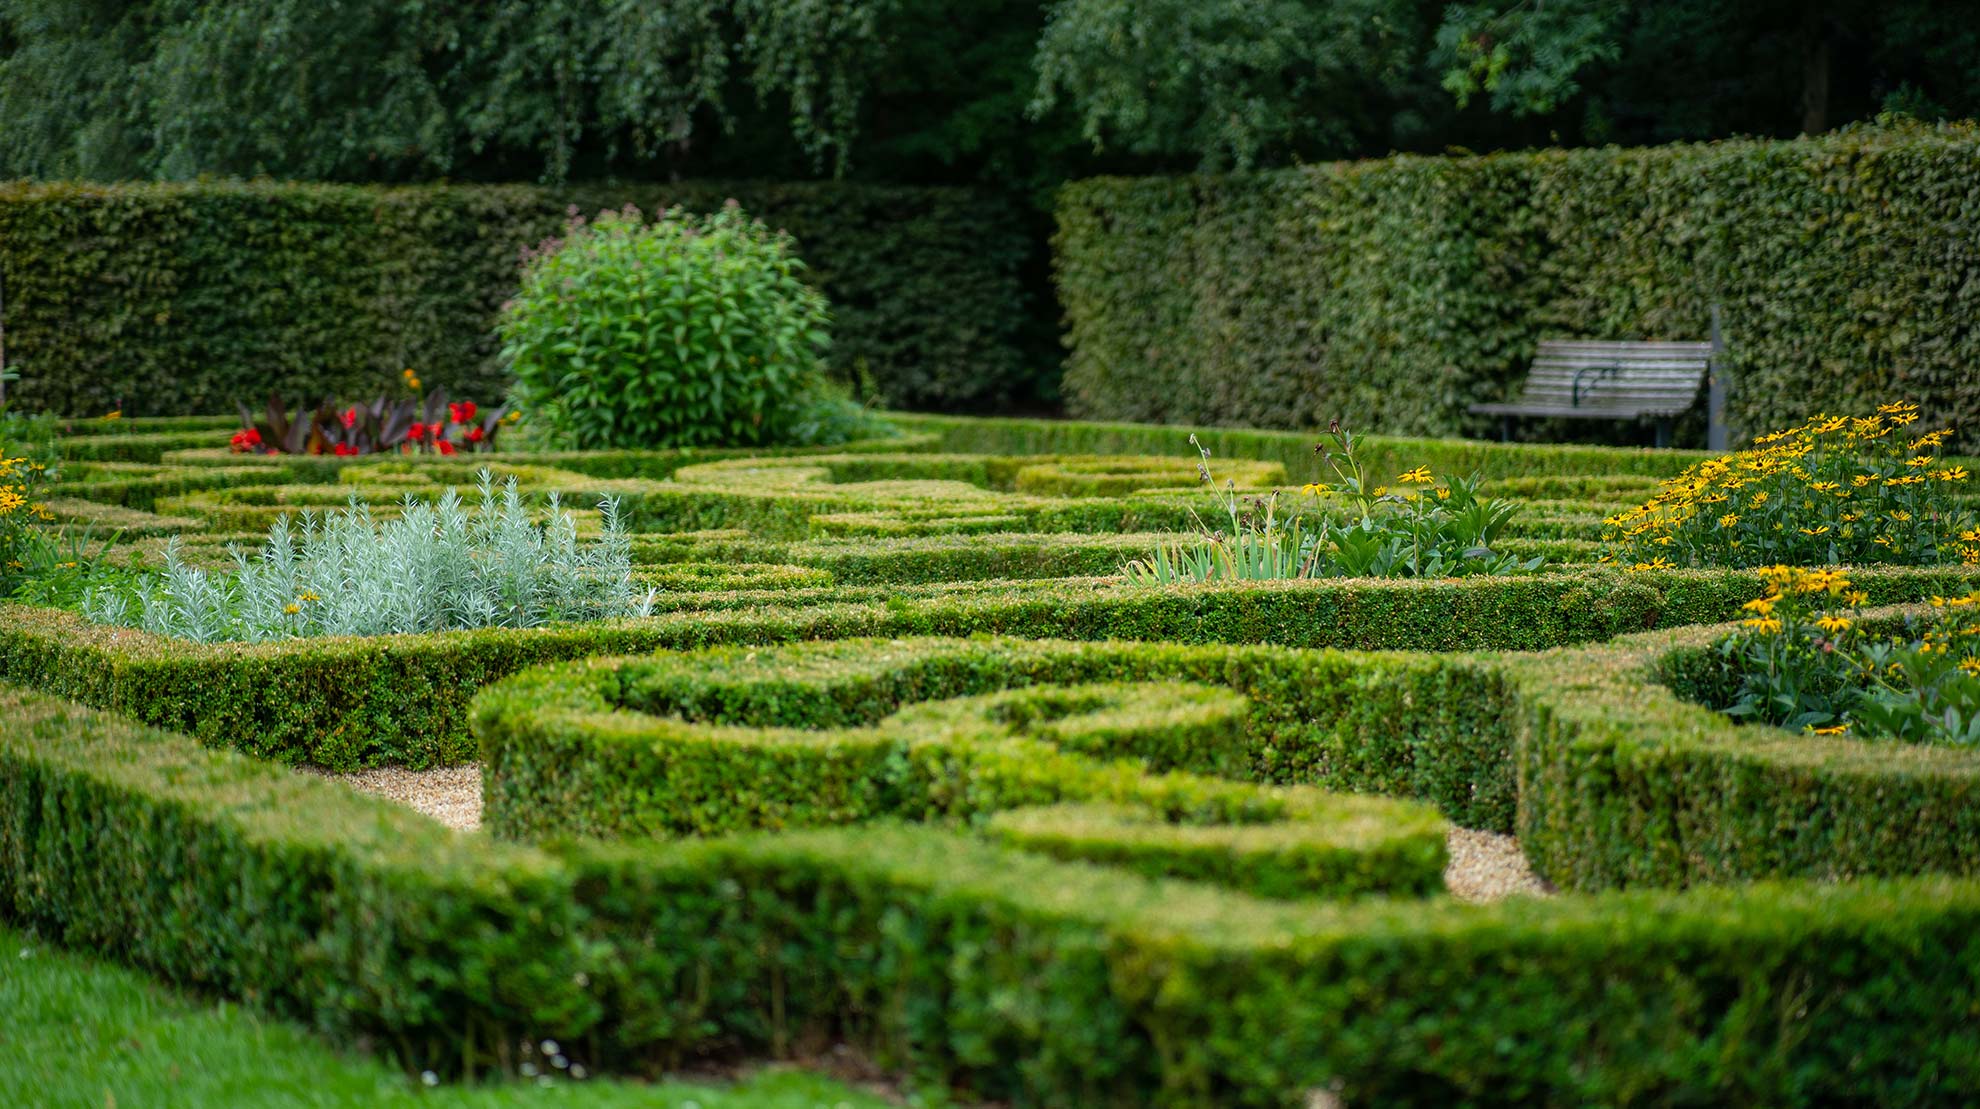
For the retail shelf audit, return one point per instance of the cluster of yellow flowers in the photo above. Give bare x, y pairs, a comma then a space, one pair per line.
1785, 582
1807, 659
1835, 489
19, 510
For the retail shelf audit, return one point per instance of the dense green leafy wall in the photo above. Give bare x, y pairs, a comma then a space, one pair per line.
1396, 292
172, 299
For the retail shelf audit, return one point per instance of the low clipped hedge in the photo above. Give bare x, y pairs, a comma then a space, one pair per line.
141, 295
1064, 768
1384, 454
293, 893
953, 958
402, 700
1609, 779
1395, 292
1624, 782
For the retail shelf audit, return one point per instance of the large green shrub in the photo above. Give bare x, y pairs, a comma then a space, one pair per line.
676, 332
183, 298
1396, 292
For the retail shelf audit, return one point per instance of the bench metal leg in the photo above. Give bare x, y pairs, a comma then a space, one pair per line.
1663, 433
1505, 429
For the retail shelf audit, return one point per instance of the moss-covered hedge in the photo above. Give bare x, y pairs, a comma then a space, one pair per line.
170, 299
1394, 293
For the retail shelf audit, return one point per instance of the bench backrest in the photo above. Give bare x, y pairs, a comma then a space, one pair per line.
1627, 378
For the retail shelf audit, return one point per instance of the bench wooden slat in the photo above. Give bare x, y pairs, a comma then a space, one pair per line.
1610, 380
1623, 348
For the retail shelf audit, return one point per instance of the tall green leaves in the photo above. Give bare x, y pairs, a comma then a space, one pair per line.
677, 332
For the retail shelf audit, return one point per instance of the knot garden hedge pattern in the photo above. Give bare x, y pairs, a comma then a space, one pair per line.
903, 760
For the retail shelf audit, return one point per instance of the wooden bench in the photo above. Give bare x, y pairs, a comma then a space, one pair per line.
1587, 380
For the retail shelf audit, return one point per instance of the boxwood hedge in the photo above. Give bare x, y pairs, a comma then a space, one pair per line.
957, 958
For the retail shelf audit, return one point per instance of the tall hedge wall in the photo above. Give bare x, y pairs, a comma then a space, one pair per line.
1396, 292
179, 298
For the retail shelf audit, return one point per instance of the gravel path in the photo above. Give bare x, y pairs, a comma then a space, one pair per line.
1484, 866
451, 795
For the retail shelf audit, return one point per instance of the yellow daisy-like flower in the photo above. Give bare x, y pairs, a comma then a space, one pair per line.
1835, 729
1833, 624
293, 609
1823, 530
1418, 476
1950, 473
1765, 625
1901, 516
1729, 519
1762, 606
1970, 665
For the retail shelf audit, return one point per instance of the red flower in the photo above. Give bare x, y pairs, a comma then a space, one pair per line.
445, 447
474, 435
245, 440
462, 411
350, 417
345, 450
416, 432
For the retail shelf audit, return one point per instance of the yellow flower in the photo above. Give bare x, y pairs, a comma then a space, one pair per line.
1862, 480
1836, 729
1763, 606
1729, 519
293, 609
1832, 624
1313, 488
1418, 476
1970, 665
307, 596
1951, 473
1901, 516
1823, 530
117, 414
1765, 625
1918, 461
1824, 486
1759, 498
1855, 597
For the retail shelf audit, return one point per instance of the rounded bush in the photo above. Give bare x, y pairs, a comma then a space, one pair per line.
679, 331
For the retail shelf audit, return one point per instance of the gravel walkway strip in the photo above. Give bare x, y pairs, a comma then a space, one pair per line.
451, 795
1484, 866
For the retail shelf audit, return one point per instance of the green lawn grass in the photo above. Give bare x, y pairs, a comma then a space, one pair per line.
76, 1032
